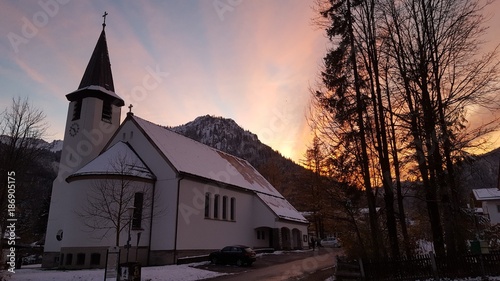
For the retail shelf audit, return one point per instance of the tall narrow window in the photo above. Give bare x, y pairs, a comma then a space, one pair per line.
207, 205
69, 259
216, 206
106, 111
95, 259
80, 259
233, 206
137, 217
77, 110
224, 207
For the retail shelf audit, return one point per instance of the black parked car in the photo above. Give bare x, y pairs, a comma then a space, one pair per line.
236, 254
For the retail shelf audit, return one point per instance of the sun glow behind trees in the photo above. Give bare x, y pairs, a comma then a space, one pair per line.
396, 86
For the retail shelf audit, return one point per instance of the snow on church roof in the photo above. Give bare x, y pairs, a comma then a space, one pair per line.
120, 159
194, 158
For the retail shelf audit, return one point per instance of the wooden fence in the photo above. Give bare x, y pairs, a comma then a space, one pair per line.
423, 267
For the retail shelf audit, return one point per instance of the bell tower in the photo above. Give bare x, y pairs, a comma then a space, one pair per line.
93, 118
93, 112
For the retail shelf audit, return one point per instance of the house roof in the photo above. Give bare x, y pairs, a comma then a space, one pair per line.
194, 158
485, 194
118, 160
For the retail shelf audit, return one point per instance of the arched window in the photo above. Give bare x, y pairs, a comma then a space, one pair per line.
77, 110
233, 208
207, 205
216, 206
224, 207
137, 216
107, 112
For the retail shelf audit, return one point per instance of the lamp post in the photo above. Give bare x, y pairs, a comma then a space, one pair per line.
130, 211
137, 244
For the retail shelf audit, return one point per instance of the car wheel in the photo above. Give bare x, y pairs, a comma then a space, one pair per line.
239, 262
214, 260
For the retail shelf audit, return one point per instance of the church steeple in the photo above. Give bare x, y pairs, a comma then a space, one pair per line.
93, 112
97, 81
98, 71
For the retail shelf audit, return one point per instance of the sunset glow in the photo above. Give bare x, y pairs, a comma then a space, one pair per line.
251, 61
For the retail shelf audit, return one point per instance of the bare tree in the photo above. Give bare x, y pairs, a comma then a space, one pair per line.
398, 80
112, 195
438, 72
22, 127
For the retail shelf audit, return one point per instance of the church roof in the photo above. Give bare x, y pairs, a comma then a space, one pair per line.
193, 158
118, 160
97, 80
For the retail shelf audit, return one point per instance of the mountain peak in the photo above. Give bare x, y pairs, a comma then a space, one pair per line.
221, 133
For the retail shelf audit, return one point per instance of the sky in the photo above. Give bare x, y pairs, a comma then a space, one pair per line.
253, 61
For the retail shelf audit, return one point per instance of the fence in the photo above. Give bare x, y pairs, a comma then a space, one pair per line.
423, 267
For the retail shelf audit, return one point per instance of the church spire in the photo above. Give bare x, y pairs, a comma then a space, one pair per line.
98, 71
98, 80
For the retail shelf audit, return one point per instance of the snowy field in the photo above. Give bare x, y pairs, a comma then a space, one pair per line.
185, 272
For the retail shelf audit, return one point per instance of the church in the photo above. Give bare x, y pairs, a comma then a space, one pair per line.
155, 194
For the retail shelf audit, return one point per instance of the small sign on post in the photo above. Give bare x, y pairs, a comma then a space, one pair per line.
112, 264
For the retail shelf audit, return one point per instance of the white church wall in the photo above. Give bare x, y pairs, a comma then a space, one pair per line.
264, 216
163, 232
198, 232
57, 215
77, 233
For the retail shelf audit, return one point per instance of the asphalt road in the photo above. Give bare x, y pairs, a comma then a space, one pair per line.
304, 266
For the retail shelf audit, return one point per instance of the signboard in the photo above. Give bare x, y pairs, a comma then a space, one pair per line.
112, 264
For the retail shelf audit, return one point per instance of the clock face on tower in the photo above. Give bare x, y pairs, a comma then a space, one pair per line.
73, 130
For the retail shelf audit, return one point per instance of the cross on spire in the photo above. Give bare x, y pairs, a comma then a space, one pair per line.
130, 110
104, 22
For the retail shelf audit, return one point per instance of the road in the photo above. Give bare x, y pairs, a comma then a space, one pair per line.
305, 266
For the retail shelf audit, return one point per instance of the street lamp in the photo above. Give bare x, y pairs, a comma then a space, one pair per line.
137, 244
130, 211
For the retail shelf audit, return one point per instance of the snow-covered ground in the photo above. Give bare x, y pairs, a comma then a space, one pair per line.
185, 272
